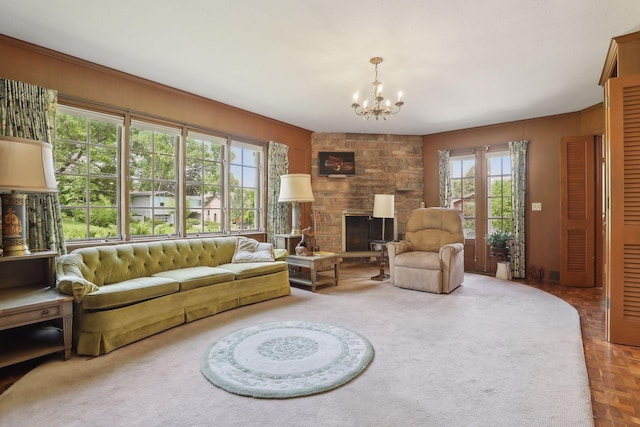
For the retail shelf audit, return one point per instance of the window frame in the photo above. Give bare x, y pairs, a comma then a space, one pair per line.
129, 120
90, 115
156, 207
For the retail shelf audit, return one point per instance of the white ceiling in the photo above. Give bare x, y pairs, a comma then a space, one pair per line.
459, 63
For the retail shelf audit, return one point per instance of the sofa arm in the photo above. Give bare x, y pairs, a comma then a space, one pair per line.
76, 286
450, 249
280, 254
396, 248
452, 259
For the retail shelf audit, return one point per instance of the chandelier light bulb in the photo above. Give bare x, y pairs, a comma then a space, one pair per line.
378, 109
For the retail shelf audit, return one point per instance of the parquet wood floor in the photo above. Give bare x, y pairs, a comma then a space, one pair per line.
614, 370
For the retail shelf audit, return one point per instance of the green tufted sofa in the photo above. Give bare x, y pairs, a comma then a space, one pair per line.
127, 292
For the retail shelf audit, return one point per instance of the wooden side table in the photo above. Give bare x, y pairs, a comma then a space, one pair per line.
315, 264
288, 242
26, 323
35, 318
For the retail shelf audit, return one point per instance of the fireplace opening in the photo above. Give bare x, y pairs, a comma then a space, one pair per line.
359, 230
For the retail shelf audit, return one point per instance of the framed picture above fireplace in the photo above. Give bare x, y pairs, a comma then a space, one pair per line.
336, 163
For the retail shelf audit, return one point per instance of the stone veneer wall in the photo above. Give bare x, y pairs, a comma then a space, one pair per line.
385, 164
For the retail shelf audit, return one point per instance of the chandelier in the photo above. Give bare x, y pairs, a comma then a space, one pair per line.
378, 109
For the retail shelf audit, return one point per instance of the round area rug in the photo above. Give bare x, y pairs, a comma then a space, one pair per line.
286, 359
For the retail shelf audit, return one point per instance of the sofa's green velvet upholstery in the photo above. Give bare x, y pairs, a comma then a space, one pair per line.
129, 292
126, 292
195, 277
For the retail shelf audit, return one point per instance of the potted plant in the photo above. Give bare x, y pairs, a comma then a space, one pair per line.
498, 240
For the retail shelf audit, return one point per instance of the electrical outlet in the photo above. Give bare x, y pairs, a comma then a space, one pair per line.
536, 206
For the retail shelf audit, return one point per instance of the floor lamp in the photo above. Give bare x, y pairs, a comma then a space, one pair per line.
26, 166
295, 188
383, 207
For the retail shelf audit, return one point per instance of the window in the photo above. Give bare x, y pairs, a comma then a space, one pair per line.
244, 174
463, 191
204, 174
153, 179
499, 192
86, 150
157, 184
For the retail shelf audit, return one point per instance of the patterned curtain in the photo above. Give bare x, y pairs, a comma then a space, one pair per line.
277, 213
444, 171
28, 111
518, 153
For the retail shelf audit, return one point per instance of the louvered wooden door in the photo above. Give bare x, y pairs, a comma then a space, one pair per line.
622, 108
577, 248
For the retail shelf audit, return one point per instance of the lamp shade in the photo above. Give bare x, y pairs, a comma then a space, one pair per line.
295, 187
383, 206
26, 166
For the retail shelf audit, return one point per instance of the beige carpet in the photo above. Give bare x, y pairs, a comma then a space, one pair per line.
493, 353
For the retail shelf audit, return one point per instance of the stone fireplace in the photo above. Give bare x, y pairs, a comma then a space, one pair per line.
385, 164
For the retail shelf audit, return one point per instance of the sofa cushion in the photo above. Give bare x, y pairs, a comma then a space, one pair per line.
253, 269
129, 292
418, 259
196, 277
249, 250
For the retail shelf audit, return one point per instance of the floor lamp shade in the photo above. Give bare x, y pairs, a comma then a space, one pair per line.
383, 206
295, 188
26, 166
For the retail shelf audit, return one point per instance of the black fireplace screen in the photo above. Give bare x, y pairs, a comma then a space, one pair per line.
361, 230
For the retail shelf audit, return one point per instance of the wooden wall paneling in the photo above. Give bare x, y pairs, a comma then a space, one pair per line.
76, 79
592, 120
544, 135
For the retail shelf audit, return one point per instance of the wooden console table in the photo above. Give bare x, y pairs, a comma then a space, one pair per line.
35, 319
315, 264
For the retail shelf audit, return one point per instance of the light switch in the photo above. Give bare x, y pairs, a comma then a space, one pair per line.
536, 206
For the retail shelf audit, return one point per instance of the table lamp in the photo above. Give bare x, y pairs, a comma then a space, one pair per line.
295, 188
383, 207
26, 166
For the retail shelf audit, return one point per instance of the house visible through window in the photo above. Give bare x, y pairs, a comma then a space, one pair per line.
204, 176
153, 180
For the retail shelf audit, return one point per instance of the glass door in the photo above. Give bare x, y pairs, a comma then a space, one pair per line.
481, 189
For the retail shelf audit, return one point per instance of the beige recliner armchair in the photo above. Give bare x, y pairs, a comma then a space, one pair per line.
431, 256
